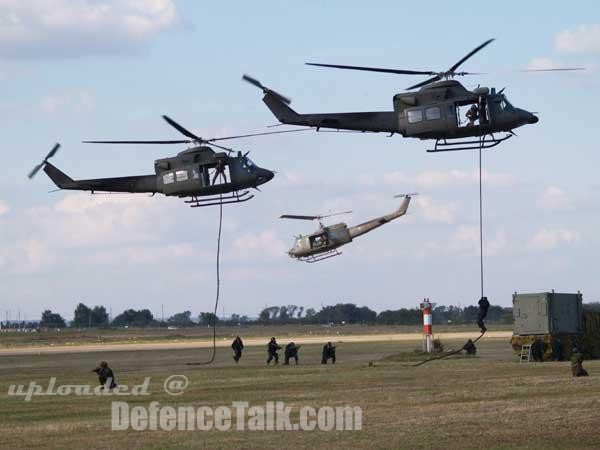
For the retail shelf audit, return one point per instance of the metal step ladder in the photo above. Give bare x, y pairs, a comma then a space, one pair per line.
525, 353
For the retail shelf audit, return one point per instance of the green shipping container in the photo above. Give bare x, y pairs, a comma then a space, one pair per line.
547, 313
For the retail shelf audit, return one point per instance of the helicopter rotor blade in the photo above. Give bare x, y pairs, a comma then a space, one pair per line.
558, 69
468, 55
253, 81
256, 134
50, 154
423, 83
375, 69
181, 129
335, 214
298, 217
182, 141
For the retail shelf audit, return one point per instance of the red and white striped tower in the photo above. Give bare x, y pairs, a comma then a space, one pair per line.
427, 326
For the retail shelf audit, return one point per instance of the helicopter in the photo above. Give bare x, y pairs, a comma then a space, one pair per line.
324, 243
199, 173
435, 111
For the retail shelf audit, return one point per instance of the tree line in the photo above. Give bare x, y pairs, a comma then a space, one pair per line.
342, 313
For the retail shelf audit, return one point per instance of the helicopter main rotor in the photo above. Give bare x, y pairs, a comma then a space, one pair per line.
193, 138
437, 76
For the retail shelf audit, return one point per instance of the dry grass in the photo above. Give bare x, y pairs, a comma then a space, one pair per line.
488, 402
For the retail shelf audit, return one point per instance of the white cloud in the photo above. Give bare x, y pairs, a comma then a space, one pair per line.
554, 198
3, 208
265, 244
433, 212
547, 239
74, 28
77, 101
436, 179
581, 39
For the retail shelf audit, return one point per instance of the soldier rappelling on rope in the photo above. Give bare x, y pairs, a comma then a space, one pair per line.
484, 305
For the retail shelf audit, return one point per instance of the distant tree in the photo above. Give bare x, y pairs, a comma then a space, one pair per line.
310, 313
207, 318
300, 311
81, 316
133, 318
346, 312
52, 320
592, 306
183, 319
99, 316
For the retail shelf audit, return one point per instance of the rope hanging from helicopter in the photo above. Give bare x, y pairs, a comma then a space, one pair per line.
218, 291
454, 352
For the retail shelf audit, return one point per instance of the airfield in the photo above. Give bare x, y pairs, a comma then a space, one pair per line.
490, 401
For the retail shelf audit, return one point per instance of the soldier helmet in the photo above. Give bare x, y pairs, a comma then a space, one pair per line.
104, 364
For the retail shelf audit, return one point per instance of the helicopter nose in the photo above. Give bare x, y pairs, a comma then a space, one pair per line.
265, 176
533, 118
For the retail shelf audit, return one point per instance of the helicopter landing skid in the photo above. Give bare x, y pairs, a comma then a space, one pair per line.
236, 197
320, 257
487, 141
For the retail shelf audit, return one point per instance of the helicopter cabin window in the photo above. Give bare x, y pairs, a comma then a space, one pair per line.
182, 175
168, 178
414, 115
433, 113
318, 241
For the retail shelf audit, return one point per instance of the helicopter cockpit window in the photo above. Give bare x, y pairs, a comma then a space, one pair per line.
433, 113
181, 175
414, 115
168, 178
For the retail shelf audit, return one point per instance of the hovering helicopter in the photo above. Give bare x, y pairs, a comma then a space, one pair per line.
436, 111
324, 243
198, 172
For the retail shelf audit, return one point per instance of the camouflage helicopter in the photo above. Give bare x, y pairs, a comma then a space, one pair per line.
324, 243
199, 172
436, 111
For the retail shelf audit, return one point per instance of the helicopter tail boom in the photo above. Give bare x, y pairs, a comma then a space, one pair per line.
363, 228
59, 178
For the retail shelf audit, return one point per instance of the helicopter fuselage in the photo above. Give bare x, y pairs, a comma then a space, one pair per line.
433, 112
196, 172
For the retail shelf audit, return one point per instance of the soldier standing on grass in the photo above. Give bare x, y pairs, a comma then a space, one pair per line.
272, 349
237, 345
328, 353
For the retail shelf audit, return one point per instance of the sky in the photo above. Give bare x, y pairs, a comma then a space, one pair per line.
108, 69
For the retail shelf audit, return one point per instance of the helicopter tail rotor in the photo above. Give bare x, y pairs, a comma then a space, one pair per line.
50, 154
253, 81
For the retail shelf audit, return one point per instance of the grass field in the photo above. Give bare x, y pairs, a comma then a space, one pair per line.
487, 402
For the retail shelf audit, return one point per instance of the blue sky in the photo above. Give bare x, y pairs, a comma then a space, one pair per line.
74, 70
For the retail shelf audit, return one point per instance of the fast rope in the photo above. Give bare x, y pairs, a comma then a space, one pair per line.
454, 352
214, 318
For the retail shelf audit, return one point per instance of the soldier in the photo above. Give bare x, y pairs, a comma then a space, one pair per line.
291, 351
237, 345
328, 352
577, 363
105, 375
219, 170
484, 305
557, 350
470, 348
472, 114
537, 350
272, 349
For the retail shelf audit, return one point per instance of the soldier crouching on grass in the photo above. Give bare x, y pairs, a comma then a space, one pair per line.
577, 364
105, 375
291, 351
272, 349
